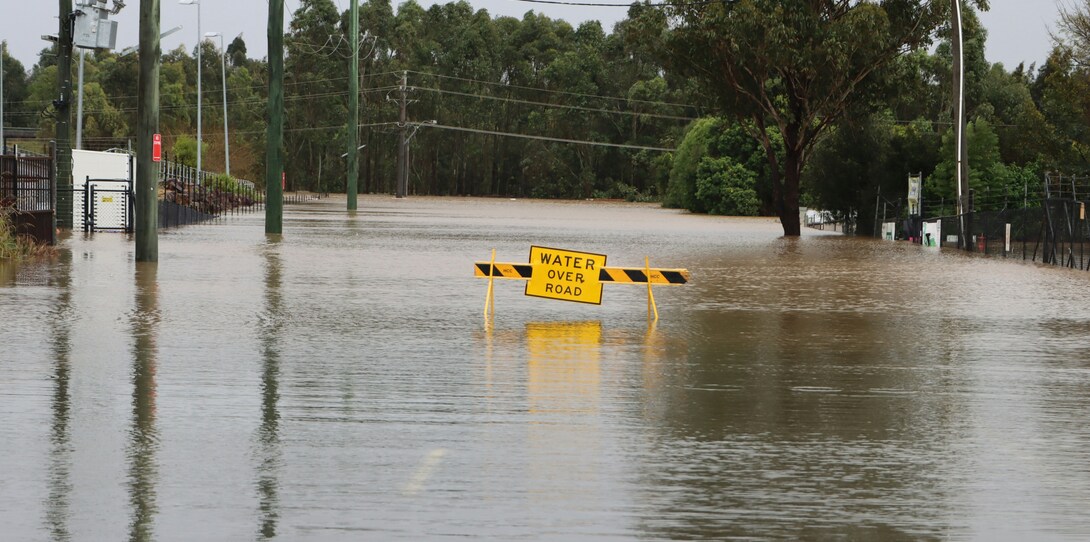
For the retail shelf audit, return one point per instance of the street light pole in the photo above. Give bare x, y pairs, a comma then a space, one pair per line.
223, 69
79, 102
198, 4
957, 42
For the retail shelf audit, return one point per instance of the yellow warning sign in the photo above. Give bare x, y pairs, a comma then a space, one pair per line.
566, 275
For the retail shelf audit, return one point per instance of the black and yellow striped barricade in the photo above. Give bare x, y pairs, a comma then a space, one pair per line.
574, 276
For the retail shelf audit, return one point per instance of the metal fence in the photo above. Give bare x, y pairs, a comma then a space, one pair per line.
26, 194
26, 183
187, 199
1048, 226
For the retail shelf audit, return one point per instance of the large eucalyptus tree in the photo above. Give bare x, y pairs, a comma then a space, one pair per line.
795, 66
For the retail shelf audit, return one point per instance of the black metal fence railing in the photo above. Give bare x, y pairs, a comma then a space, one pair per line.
187, 200
302, 197
26, 183
26, 194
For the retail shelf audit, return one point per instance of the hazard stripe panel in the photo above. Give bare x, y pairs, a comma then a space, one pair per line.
504, 270
638, 275
621, 275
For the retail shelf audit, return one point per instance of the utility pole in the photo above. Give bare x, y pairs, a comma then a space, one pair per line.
962, 160
147, 181
353, 106
274, 133
79, 101
402, 147
3, 144
64, 116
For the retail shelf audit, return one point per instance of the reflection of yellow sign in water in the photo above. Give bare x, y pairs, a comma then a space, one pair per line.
566, 275
563, 366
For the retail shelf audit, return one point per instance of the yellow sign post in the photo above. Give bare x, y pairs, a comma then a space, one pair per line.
566, 275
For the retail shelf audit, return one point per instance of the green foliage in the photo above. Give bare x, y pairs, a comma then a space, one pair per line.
624, 192
9, 246
17, 247
224, 183
681, 191
795, 65
854, 88
725, 187
185, 150
718, 168
983, 148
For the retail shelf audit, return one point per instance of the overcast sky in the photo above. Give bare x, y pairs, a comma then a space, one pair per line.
1018, 30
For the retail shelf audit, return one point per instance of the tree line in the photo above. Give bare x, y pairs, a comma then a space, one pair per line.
653, 109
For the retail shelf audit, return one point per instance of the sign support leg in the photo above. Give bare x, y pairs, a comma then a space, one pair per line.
650, 296
489, 298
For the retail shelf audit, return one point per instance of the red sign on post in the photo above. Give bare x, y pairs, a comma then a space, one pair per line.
283, 180
157, 148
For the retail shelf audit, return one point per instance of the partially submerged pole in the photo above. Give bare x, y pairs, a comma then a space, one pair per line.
274, 134
962, 159
147, 181
353, 105
64, 116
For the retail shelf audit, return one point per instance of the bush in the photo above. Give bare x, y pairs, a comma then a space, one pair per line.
724, 187
15, 247
185, 150
223, 182
710, 147
624, 191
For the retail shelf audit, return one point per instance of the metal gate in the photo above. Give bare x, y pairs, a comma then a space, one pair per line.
107, 205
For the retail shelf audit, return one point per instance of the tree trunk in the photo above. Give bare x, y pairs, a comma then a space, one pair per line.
788, 207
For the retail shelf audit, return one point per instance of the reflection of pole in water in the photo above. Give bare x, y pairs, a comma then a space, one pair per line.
143, 471
60, 460
268, 437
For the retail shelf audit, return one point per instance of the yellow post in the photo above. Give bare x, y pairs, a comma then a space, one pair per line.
650, 296
489, 300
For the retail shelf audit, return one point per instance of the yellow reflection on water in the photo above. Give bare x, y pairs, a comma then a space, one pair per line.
564, 366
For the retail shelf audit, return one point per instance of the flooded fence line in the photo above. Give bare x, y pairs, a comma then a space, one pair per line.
27, 195
189, 196
1049, 226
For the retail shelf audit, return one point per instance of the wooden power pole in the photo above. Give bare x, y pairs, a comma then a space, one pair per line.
402, 144
353, 106
274, 132
147, 178
64, 116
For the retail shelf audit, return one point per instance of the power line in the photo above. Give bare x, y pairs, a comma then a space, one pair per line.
577, 107
217, 91
580, 94
544, 138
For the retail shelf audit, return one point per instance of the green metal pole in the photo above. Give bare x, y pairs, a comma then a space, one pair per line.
147, 109
64, 117
274, 134
353, 105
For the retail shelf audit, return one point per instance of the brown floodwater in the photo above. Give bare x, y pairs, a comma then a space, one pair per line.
340, 383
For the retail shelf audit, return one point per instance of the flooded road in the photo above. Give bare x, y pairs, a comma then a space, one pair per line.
340, 383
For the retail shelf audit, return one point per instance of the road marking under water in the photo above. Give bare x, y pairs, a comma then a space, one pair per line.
424, 472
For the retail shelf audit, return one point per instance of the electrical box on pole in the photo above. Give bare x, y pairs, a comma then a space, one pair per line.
92, 27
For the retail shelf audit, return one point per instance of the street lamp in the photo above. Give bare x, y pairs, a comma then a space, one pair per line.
198, 4
223, 67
